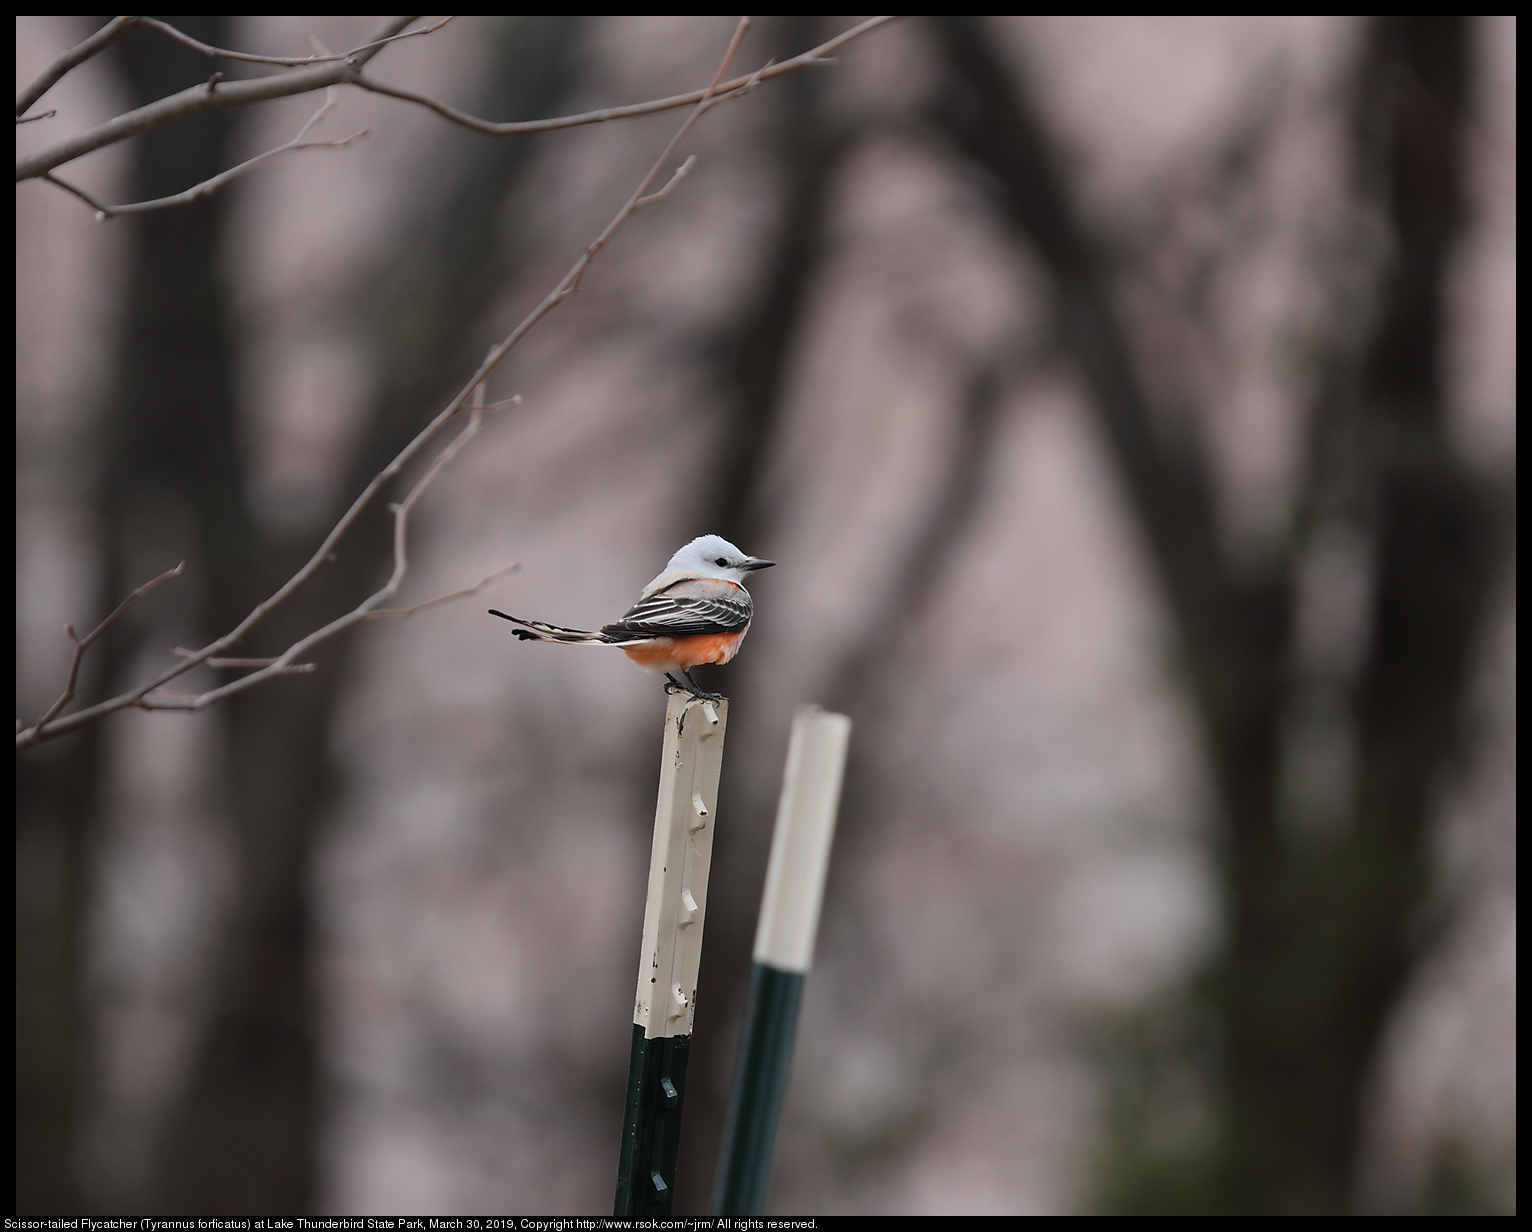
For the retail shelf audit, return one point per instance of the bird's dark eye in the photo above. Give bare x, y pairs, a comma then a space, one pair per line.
721, 562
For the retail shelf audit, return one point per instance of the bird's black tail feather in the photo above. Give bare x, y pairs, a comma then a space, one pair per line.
537, 631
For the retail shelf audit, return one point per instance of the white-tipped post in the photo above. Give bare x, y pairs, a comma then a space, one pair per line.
666, 1001
784, 949
800, 845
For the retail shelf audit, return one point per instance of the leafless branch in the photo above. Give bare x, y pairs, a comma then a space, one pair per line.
283, 663
326, 70
815, 56
709, 98
167, 699
466, 592
213, 184
76, 55
288, 61
149, 695
80, 644
680, 174
118, 26
224, 662
477, 409
205, 97
394, 38
174, 701
100, 207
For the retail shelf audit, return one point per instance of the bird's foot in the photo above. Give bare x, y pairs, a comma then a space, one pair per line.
701, 695
697, 691
698, 695
687, 685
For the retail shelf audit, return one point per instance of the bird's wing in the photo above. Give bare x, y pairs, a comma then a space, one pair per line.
670, 615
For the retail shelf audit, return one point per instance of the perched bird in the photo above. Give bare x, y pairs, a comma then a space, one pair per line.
696, 611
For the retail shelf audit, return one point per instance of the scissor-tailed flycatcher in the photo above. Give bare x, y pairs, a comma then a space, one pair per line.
696, 611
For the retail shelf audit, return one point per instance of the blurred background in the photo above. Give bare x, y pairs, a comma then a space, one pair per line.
1129, 403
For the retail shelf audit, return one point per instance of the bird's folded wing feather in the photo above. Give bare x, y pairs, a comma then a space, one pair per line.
674, 615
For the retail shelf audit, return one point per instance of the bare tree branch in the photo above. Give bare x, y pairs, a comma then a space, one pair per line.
118, 26
680, 174
214, 183
100, 208
347, 71
204, 97
223, 662
814, 56
283, 664
145, 696
466, 592
81, 643
289, 61
76, 55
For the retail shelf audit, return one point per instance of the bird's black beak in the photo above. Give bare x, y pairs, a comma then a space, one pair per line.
755, 562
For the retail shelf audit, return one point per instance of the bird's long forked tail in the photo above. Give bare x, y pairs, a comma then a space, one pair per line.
537, 631
540, 632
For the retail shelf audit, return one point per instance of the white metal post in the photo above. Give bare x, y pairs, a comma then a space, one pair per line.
800, 844
678, 865
665, 1003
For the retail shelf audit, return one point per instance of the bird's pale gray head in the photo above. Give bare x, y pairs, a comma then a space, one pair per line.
714, 556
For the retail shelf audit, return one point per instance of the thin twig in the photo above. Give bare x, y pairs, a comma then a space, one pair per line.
167, 699
213, 184
680, 174
394, 38
184, 651
81, 643
118, 26
326, 72
76, 55
728, 57
288, 61
100, 207
571, 283
199, 98
143, 696
177, 701
478, 408
466, 592
814, 56
283, 663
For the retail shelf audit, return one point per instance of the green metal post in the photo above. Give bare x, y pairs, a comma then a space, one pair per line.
651, 1124
760, 1082
784, 946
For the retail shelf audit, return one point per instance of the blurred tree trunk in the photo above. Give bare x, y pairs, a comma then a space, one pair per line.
752, 355
56, 809
168, 444
247, 1140
244, 1139
1323, 929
